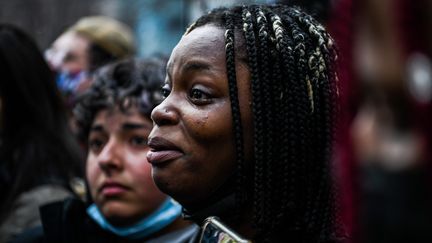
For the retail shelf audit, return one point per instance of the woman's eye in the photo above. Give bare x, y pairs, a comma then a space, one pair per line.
138, 141
199, 96
95, 145
165, 91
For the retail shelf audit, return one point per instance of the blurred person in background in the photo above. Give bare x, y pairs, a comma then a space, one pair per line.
87, 45
124, 203
386, 80
39, 158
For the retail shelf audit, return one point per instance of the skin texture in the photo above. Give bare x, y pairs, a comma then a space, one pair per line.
117, 154
196, 117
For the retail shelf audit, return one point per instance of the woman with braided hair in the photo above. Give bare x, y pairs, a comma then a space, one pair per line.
245, 130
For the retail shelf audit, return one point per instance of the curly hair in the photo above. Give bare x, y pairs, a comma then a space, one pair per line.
124, 84
291, 59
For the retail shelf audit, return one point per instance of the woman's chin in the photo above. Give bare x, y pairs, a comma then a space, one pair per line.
182, 195
117, 214
121, 220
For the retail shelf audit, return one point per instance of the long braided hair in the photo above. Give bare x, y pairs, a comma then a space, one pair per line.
291, 59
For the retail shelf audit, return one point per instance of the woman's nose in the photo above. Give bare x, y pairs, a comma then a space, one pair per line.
110, 157
165, 113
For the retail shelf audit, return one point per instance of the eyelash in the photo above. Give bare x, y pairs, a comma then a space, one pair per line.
142, 141
196, 95
95, 145
165, 92
199, 97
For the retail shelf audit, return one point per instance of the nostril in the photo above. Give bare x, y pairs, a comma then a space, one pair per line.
164, 122
164, 116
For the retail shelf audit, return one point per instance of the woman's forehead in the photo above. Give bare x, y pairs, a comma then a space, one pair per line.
202, 41
205, 43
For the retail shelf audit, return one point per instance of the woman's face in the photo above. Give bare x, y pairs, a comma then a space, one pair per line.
192, 141
118, 173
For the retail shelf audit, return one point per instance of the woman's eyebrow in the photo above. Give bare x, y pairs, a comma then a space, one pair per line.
190, 66
196, 66
96, 128
134, 126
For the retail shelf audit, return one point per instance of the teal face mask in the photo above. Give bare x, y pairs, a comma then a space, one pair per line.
163, 216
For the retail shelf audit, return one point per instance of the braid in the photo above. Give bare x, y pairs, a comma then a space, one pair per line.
303, 108
237, 128
288, 169
324, 75
325, 52
264, 62
257, 111
299, 52
279, 94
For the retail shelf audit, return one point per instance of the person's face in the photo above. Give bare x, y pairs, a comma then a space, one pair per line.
192, 141
69, 53
118, 173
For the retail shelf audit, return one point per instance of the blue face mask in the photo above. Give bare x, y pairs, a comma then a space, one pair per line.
162, 217
68, 82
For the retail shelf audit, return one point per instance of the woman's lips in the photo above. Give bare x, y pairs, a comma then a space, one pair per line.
158, 157
112, 189
162, 151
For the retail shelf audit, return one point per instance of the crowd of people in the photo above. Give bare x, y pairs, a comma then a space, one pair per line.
265, 124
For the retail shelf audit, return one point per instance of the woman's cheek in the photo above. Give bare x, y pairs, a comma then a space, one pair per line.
211, 123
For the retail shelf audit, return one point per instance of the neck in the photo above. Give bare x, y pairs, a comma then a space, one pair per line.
226, 210
222, 208
220, 202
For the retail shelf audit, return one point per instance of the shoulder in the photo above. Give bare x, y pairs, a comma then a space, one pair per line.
67, 222
62, 217
25, 213
44, 194
33, 235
